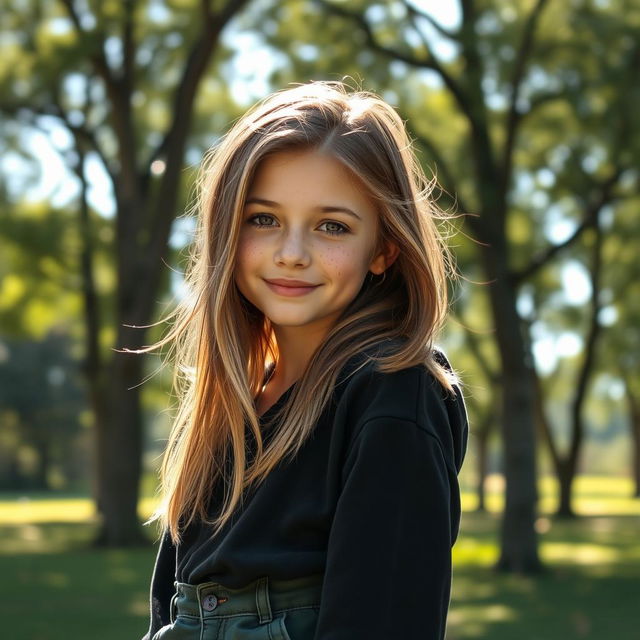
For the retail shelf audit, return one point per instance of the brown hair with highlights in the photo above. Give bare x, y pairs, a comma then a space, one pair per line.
222, 344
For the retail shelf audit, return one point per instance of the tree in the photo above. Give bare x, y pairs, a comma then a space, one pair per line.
472, 93
489, 159
589, 183
39, 384
621, 342
122, 79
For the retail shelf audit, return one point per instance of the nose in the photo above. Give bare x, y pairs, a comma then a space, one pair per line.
292, 251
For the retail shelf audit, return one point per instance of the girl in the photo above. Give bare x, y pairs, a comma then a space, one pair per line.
310, 480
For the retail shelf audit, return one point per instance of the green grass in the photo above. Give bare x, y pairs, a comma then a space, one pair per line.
55, 586
589, 589
75, 594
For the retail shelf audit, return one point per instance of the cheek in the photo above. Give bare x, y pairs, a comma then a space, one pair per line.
349, 263
250, 253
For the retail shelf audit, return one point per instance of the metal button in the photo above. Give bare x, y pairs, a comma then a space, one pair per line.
209, 603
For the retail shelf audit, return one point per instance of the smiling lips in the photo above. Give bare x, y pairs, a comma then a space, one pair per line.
290, 288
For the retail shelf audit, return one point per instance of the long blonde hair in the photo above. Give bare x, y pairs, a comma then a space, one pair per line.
222, 343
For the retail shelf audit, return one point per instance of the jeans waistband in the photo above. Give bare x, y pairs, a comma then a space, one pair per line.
262, 597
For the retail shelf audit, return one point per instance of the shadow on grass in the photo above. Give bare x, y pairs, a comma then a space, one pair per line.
56, 586
55, 537
589, 589
562, 604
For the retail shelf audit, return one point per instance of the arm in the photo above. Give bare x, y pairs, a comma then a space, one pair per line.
162, 587
388, 571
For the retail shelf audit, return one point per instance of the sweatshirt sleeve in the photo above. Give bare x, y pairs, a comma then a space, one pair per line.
162, 586
388, 572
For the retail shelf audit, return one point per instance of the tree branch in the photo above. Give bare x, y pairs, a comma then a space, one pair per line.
429, 62
128, 46
589, 351
513, 118
56, 111
590, 218
492, 375
365, 27
118, 93
468, 11
98, 58
73, 15
127, 187
539, 100
543, 421
414, 12
442, 168
87, 136
174, 142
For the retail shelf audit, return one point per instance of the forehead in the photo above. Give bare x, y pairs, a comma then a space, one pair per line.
309, 177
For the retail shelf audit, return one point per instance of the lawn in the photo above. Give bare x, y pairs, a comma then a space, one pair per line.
55, 586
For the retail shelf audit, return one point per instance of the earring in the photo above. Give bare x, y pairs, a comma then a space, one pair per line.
384, 275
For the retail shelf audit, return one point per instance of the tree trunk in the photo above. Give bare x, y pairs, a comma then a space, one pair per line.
482, 474
43, 448
562, 465
519, 543
566, 475
482, 438
635, 432
569, 466
485, 419
121, 451
143, 226
15, 478
92, 361
634, 424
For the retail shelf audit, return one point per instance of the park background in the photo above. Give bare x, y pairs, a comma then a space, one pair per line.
525, 112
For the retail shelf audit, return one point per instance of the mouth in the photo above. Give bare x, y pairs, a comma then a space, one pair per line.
290, 288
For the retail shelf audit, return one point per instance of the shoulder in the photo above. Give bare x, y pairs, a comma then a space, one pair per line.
404, 394
412, 397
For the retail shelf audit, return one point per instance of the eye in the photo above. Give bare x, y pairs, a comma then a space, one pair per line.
333, 228
262, 220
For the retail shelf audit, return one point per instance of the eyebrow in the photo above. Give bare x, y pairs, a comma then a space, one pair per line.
325, 209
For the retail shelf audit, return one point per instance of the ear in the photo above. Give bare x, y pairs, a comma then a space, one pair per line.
383, 260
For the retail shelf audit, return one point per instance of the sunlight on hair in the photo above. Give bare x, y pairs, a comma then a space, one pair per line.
222, 344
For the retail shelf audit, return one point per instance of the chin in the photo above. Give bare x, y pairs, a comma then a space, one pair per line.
290, 322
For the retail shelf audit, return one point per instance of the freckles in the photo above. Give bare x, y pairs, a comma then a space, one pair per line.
250, 250
342, 260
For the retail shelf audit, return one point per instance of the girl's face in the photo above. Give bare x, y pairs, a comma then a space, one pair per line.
308, 239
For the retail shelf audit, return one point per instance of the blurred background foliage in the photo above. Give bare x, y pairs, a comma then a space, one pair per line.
525, 114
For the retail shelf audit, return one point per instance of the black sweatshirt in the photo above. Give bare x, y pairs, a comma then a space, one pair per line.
371, 501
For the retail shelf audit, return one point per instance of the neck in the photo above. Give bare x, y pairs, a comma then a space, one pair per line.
296, 346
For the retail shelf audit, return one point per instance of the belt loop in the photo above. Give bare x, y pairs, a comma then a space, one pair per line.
262, 600
173, 605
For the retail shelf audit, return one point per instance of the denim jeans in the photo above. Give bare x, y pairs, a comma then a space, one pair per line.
263, 610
